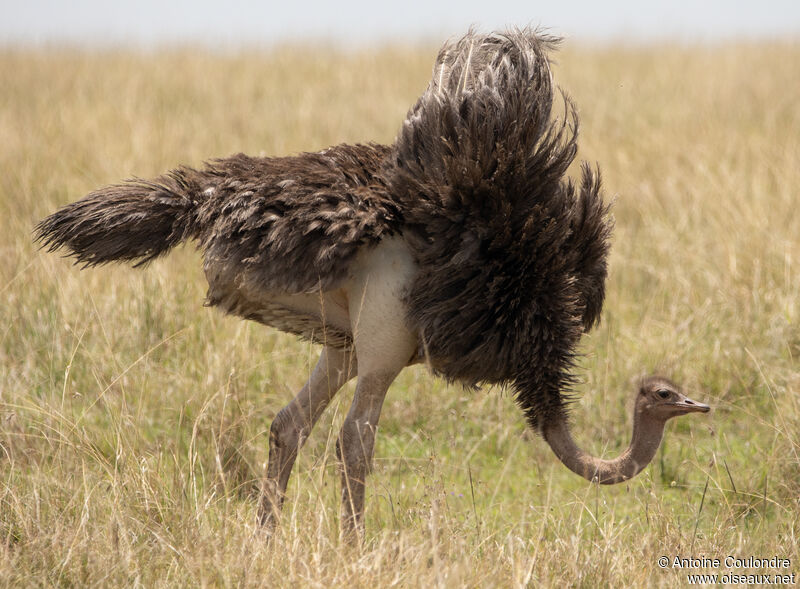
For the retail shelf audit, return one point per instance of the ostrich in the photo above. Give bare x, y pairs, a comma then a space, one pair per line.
463, 246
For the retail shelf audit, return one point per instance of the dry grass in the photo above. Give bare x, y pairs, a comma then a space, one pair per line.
132, 420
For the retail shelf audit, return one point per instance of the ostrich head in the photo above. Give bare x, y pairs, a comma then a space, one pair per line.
661, 399
657, 401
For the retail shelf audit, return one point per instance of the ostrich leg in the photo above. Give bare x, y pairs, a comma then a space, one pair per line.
383, 346
355, 448
293, 423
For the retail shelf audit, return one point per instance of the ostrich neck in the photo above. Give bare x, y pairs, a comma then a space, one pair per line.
647, 433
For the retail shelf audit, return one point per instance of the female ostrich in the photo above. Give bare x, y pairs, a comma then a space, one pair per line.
462, 245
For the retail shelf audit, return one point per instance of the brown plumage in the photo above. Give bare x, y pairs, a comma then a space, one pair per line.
290, 225
512, 256
463, 245
295, 221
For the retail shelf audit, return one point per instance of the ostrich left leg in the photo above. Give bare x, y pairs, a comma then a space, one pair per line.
293, 423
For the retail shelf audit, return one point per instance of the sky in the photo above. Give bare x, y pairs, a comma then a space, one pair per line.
236, 23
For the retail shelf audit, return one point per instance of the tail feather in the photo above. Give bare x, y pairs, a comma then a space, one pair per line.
136, 221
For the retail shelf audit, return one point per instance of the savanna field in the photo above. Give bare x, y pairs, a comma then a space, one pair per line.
134, 421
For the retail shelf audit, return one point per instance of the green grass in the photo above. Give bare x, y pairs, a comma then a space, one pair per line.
133, 421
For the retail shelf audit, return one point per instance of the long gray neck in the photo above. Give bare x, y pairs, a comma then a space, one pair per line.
647, 433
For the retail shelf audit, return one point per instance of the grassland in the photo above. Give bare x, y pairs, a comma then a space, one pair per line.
133, 421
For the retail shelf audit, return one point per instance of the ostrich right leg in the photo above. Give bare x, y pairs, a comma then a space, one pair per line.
293, 423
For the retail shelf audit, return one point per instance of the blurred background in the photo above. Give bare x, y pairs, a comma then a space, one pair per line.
149, 23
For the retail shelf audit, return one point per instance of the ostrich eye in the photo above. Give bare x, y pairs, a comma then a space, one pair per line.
663, 393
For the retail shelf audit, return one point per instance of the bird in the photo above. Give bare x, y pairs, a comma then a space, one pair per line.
464, 246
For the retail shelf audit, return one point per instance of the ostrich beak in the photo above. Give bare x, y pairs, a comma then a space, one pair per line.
686, 405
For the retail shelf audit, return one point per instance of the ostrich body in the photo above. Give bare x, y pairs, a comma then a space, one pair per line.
462, 245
